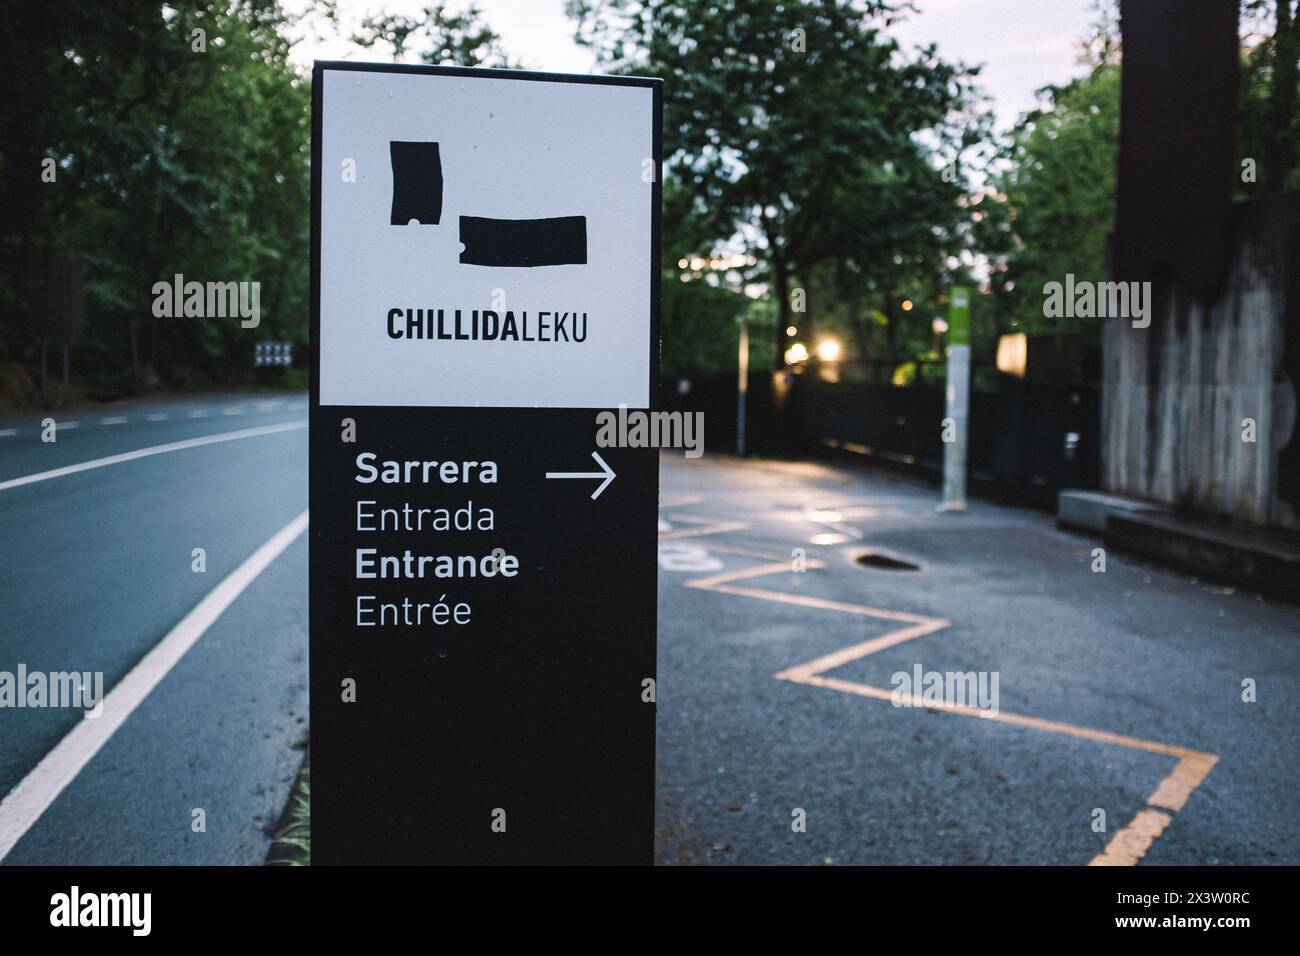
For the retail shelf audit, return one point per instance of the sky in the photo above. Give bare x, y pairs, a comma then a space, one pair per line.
1024, 44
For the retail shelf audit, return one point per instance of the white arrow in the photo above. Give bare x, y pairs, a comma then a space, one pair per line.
605, 472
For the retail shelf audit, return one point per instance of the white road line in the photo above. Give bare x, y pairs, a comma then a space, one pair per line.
41, 787
8, 432
151, 450
113, 420
199, 413
156, 417
60, 426
234, 410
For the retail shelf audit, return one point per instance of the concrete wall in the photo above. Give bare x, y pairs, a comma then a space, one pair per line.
1175, 394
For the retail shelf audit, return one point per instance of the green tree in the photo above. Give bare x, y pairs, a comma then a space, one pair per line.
440, 36
1051, 210
1270, 93
179, 141
1053, 206
791, 120
179, 137
699, 326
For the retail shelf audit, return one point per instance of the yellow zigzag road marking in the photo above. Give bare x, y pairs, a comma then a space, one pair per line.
1125, 848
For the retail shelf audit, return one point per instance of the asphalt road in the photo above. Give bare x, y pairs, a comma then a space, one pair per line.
1118, 691
98, 568
1136, 651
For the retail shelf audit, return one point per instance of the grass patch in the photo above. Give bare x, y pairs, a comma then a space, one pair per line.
291, 845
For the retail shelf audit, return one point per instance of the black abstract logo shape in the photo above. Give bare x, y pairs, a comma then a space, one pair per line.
559, 241
511, 243
417, 183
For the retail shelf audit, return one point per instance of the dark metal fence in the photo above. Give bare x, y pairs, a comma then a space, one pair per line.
1028, 439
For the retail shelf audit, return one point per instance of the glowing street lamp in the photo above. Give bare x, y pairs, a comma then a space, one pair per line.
828, 350
938, 327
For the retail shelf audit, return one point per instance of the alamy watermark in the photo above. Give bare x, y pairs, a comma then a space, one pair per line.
79, 690
922, 688
642, 429
1098, 300
131, 911
208, 300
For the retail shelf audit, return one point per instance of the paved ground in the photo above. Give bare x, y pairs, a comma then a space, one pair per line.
1152, 660
1118, 691
98, 568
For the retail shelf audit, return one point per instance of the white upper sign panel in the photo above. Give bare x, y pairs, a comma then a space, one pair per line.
509, 265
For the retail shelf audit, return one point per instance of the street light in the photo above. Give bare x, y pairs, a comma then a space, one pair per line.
796, 353
828, 350
938, 327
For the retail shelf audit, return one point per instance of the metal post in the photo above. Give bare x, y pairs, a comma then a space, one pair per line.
742, 380
956, 424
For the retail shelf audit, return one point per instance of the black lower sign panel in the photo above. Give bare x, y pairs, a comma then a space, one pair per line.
479, 639
482, 571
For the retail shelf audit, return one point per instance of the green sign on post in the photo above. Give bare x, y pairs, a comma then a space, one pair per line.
959, 316
957, 420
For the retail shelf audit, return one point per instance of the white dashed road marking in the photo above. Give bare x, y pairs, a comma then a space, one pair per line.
152, 450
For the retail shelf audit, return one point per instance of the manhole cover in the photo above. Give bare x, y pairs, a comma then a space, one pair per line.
874, 559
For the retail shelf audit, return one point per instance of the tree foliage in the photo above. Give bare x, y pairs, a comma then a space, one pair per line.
438, 36
1270, 92
802, 129
1054, 205
179, 135
180, 143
